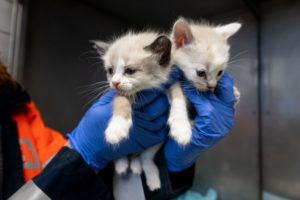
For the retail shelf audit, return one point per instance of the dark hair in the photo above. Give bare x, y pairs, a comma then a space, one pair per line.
6, 79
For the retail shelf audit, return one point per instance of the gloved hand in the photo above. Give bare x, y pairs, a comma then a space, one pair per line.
214, 119
150, 113
175, 75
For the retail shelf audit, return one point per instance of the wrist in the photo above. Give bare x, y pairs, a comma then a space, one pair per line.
86, 154
180, 157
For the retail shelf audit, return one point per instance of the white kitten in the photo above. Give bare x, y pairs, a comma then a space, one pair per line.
134, 62
202, 53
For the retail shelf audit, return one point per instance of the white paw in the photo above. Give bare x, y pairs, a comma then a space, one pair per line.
153, 183
117, 130
121, 165
237, 94
152, 174
136, 166
180, 129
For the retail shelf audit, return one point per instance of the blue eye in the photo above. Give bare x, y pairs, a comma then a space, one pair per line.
201, 74
129, 71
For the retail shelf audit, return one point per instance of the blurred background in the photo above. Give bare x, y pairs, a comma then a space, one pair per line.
46, 46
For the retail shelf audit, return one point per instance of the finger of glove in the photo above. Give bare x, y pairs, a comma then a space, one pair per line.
224, 90
154, 125
199, 99
175, 75
143, 98
180, 157
144, 138
105, 98
154, 109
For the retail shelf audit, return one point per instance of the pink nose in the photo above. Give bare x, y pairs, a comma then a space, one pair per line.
116, 84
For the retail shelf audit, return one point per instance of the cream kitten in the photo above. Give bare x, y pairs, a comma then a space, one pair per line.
134, 62
202, 53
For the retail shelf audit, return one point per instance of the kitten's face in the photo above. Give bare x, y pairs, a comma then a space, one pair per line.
136, 62
202, 52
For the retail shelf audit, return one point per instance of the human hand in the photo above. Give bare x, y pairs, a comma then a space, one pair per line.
150, 113
214, 119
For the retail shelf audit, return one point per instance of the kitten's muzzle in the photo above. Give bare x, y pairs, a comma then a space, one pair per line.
116, 84
210, 88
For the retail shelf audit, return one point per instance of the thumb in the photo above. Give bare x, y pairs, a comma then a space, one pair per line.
197, 98
106, 98
224, 90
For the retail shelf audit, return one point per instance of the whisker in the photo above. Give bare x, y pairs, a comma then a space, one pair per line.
94, 84
238, 54
83, 90
95, 97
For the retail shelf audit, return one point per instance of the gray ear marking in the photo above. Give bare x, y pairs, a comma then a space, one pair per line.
100, 46
161, 47
182, 34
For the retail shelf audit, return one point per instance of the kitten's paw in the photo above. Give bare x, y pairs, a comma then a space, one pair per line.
152, 175
136, 166
180, 130
237, 95
121, 165
153, 183
117, 130
180, 127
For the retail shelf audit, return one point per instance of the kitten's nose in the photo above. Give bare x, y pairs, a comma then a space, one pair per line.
116, 83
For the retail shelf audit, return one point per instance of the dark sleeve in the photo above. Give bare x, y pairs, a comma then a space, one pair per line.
172, 184
67, 176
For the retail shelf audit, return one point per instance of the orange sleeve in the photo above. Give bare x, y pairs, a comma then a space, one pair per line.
38, 143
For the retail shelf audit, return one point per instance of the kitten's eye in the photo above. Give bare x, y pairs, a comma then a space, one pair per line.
129, 71
110, 70
201, 73
220, 73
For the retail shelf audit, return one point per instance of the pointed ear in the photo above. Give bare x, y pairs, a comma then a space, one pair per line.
161, 47
182, 34
228, 30
101, 47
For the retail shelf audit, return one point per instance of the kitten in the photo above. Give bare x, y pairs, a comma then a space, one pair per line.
202, 53
134, 62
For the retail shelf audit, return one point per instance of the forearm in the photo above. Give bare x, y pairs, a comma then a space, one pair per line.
67, 176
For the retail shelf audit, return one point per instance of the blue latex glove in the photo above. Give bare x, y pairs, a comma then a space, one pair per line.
175, 75
214, 119
150, 114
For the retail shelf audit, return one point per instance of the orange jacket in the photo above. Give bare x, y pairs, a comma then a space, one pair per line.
37, 142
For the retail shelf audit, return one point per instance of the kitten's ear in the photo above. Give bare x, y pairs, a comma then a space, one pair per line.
182, 34
100, 46
228, 30
161, 47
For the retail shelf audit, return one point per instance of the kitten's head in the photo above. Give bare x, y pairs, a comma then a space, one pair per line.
201, 51
136, 61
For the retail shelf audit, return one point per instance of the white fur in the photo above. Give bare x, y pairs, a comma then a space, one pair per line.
180, 127
228, 30
136, 166
118, 129
150, 169
121, 165
129, 51
208, 51
237, 95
